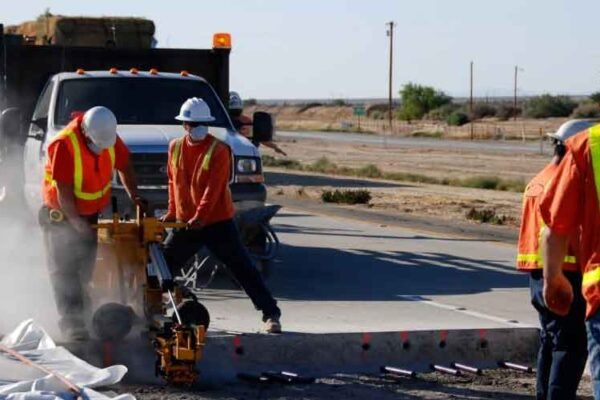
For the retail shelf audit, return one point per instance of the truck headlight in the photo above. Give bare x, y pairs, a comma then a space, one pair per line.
247, 166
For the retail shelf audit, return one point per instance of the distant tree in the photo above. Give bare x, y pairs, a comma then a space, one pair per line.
586, 110
595, 97
47, 13
250, 102
418, 100
457, 118
338, 102
547, 106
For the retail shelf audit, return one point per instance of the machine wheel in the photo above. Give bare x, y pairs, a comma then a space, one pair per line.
192, 313
113, 321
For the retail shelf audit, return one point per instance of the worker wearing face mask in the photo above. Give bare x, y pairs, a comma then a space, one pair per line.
199, 167
76, 188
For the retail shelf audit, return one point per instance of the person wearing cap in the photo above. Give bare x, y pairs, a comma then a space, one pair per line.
243, 123
562, 353
76, 188
199, 168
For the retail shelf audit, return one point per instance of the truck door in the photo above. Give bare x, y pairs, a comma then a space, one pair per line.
35, 146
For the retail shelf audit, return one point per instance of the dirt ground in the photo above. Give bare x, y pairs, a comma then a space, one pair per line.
341, 118
449, 202
493, 384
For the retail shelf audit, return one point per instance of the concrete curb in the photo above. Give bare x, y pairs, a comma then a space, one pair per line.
324, 354
319, 355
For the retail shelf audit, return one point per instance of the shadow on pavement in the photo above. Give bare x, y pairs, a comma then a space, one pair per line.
325, 274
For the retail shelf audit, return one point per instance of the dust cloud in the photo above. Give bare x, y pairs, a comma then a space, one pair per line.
25, 289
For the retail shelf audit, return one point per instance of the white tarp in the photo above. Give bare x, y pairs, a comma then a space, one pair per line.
21, 382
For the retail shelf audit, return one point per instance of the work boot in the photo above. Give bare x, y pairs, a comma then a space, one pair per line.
272, 325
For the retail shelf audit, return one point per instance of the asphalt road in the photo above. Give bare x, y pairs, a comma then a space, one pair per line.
491, 145
341, 275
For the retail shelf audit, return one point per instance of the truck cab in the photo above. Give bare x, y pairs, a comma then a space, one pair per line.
145, 104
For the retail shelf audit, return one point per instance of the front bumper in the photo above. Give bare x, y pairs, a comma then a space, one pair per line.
245, 196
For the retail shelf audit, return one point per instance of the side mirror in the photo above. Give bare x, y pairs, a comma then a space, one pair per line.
11, 127
262, 127
41, 124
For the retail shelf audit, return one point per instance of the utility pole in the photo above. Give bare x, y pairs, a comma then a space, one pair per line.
390, 34
471, 102
515, 95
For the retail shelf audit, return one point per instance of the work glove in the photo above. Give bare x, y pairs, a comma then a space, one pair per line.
195, 222
558, 294
167, 218
141, 202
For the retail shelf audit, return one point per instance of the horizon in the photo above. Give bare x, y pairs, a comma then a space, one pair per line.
339, 48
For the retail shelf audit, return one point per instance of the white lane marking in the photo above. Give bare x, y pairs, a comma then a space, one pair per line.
356, 252
465, 311
432, 262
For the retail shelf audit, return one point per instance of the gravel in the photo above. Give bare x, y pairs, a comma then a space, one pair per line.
496, 384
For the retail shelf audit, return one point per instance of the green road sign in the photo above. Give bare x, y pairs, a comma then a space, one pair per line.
359, 111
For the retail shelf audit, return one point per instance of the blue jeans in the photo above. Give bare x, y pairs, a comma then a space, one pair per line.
593, 335
562, 353
224, 242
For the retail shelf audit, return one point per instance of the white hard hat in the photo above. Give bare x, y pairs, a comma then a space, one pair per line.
195, 110
235, 101
572, 127
100, 125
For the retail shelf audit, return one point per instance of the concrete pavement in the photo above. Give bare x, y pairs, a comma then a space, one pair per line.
340, 275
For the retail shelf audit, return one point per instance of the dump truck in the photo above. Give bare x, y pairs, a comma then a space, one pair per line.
43, 85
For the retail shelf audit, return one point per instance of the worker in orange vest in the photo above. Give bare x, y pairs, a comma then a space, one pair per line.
562, 353
199, 168
570, 209
76, 188
243, 123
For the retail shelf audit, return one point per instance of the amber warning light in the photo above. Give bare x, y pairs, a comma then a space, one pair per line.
222, 41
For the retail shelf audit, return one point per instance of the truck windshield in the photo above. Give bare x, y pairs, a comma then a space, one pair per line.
136, 101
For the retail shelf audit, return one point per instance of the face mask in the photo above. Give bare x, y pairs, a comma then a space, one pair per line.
94, 148
199, 132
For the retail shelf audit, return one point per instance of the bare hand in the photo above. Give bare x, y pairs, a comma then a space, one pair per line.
280, 151
558, 294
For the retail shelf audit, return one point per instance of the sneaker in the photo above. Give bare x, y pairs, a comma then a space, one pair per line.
272, 325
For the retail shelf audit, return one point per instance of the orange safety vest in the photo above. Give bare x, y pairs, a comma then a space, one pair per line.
184, 198
529, 257
591, 277
92, 175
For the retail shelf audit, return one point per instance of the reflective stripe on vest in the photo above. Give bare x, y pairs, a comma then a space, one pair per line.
537, 257
78, 171
593, 277
205, 161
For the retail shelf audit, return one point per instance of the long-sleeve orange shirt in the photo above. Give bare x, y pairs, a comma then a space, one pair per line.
199, 180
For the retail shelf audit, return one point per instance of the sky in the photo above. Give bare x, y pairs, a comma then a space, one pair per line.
284, 49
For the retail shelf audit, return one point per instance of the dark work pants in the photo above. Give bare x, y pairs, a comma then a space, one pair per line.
71, 257
563, 342
224, 242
